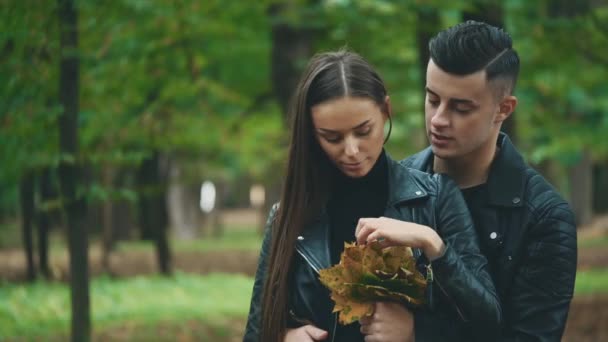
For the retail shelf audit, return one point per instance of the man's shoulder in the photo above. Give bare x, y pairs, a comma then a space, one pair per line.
549, 212
513, 175
418, 161
540, 195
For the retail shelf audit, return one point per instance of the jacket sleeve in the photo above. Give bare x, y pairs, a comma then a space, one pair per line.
461, 274
252, 330
536, 308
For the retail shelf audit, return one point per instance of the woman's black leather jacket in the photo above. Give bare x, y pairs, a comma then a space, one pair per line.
462, 289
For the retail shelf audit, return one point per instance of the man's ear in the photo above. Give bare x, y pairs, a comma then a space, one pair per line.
505, 108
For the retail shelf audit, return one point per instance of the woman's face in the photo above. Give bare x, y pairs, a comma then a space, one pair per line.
351, 132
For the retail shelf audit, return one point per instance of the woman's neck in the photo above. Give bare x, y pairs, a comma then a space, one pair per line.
377, 173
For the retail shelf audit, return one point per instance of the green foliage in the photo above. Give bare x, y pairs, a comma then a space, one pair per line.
591, 281
192, 79
42, 309
28, 84
563, 111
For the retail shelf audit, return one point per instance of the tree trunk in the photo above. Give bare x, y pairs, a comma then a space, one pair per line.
27, 214
427, 26
492, 13
290, 45
107, 179
581, 189
69, 174
44, 222
215, 217
600, 195
153, 215
183, 205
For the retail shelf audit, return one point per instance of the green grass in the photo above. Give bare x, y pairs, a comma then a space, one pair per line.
43, 309
591, 281
232, 239
593, 242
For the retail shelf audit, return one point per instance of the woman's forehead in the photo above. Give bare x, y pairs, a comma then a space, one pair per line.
345, 113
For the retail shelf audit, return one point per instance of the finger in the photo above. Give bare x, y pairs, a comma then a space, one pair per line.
315, 333
362, 237
364, 231
371, 338
375, 236
360, 224
366, 320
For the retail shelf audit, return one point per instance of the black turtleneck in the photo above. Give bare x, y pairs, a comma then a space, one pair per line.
352, 199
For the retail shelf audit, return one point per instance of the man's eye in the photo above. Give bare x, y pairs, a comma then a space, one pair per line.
434, 102
462, 110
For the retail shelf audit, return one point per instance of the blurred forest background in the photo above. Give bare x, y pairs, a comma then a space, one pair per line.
113, 114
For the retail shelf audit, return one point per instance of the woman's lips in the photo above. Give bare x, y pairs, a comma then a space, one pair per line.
352, 166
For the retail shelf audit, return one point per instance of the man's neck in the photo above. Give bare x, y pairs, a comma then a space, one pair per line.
469, 170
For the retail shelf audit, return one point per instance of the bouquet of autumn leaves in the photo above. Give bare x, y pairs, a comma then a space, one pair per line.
370, 273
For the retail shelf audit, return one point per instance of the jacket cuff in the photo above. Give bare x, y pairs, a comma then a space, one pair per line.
444, 265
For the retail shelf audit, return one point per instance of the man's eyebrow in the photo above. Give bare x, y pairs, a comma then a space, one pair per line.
454, 100
325, 130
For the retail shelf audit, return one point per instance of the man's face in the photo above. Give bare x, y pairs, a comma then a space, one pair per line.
461, 113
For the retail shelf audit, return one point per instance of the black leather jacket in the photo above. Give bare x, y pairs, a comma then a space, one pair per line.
529, 235
462, 289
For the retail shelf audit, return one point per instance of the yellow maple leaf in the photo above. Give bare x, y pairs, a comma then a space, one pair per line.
369, 273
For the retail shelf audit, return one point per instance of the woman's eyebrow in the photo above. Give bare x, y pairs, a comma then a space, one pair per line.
325, 130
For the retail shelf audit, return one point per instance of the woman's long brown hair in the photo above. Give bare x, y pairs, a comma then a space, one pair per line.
305, 190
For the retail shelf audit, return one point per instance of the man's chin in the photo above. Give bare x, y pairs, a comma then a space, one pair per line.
443, 153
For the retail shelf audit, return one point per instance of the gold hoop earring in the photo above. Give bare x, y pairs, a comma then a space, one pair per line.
390, 128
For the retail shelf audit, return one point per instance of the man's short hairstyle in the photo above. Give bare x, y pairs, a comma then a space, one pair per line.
472, 46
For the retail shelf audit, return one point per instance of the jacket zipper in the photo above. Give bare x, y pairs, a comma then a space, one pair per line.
333, 333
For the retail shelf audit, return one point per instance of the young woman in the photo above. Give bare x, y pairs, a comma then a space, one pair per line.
342, 186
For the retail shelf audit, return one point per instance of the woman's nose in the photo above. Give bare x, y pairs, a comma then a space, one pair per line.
351, 147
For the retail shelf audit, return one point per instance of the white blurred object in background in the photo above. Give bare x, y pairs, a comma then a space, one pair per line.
257, 196
207, 202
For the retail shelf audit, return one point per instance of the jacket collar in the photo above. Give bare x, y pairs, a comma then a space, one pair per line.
402, 186
506, 179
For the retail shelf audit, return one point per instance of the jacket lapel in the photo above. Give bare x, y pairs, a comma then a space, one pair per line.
314, 242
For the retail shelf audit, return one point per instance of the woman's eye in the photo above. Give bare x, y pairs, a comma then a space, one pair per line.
363, 133
333, 140
434, 102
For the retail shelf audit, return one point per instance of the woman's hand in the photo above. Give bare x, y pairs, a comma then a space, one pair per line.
391, 232
391, 322
306, 333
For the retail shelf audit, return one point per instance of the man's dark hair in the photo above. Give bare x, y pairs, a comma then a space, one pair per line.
473, 46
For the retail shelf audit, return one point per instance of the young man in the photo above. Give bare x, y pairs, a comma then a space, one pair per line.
526, 229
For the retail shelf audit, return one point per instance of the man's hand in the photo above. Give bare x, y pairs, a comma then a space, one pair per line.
306, 333
391, 322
